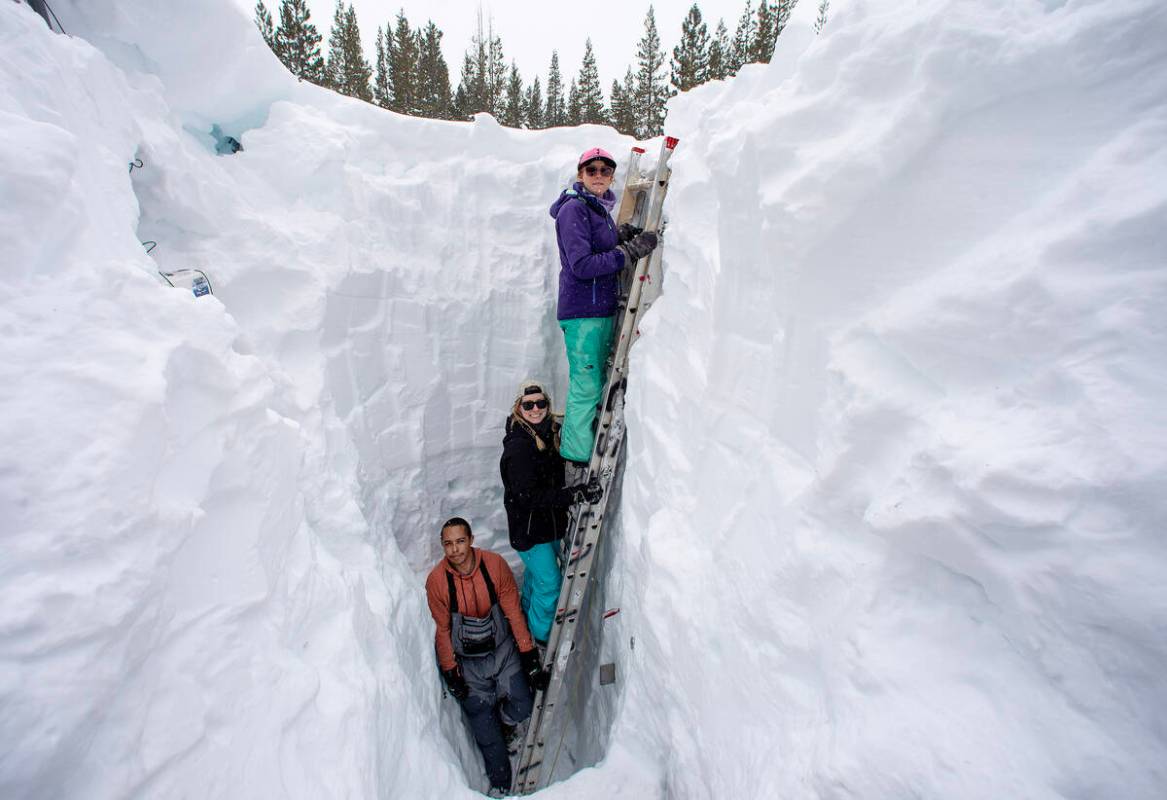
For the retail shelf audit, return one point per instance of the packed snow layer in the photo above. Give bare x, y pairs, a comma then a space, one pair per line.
897, 426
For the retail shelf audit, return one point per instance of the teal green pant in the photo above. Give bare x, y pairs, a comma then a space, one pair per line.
540, 595
588, 342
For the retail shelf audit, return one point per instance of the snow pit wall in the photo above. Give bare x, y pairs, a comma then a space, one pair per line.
915, 508
899, 422
375, 308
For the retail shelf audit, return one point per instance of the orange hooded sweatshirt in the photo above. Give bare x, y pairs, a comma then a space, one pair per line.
474, 601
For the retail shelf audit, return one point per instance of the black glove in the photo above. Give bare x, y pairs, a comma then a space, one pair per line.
536, 675
456, 684
627, 231
639, 246
589, 492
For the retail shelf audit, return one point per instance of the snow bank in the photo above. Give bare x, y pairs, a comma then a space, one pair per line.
890, 520
900, 423
192, 605
270, 464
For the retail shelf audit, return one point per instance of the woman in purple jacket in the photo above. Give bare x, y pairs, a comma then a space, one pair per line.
591, 254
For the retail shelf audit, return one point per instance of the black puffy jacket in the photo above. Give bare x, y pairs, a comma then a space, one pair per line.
533, 492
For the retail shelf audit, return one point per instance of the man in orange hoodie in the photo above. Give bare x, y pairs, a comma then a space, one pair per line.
485, 651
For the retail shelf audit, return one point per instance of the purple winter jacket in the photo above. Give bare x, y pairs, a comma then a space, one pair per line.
589, 280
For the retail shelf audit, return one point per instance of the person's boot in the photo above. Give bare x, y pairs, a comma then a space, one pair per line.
512, 739
514, 735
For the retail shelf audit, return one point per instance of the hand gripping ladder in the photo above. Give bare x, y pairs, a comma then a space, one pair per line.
642, 203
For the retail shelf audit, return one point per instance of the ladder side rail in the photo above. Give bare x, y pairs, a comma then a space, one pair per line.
652, 223
633, 204
587, 526
576, 533
562, 736
587, 515
568, 617
585, 533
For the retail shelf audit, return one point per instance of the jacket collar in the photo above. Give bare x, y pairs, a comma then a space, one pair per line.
604, 204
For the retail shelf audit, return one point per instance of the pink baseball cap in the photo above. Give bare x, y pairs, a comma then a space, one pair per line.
596, 154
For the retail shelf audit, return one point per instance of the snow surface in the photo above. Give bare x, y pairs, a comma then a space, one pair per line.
893, 514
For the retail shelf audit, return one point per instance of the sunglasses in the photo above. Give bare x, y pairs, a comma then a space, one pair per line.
605, 170
529, 404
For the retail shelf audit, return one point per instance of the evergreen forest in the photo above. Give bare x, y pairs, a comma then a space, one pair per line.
409, 74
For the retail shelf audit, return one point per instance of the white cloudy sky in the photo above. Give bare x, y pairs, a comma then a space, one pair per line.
531, 29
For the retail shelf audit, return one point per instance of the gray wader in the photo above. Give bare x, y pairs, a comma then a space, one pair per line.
499, 692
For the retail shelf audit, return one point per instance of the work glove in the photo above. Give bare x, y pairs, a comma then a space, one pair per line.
456, 684
627, 231
638, 247
536, 675
589, 492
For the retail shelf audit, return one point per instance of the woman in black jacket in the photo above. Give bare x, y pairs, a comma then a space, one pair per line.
537, 501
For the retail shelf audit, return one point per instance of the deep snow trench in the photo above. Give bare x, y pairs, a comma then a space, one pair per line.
423, 294
892, 518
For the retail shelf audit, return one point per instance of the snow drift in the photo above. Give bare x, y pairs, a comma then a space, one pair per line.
901, 422
892, 514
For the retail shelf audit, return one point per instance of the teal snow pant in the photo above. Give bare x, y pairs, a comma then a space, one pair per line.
540, 595
588, 341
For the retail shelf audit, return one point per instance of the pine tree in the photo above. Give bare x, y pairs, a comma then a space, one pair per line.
433, 85
572, 115
591, 96
765, 35
743, 40
381, 94
263, 21
403, 68
461, 103
635, 112
496, 73
690, 64
297, 42
333, 65
719, 54
782, 11
348, 71
623, 115
652, 92
772, 19
555, 114
821, 22
618, 104
483, 72
513, 107
534, 105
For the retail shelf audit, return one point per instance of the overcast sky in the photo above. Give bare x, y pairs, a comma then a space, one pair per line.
530, 29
